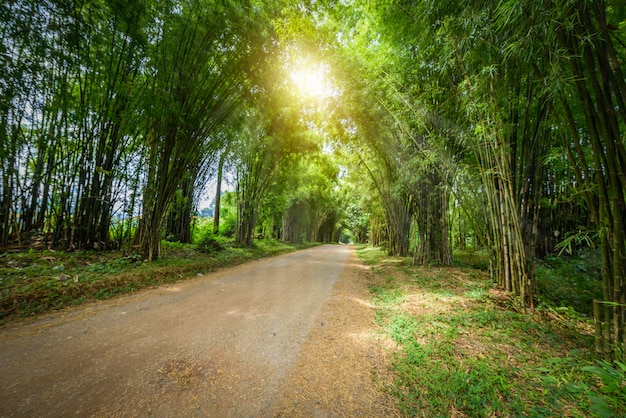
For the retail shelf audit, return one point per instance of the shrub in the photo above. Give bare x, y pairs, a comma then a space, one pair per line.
571, 280
208, 243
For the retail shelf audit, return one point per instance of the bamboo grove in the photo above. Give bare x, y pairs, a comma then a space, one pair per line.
499, 124
106, 105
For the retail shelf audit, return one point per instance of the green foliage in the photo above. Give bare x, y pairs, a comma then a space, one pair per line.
205, 241
346, 237
612, 386
571, 281
574, 240
384, 295
474, 259
209, 244
123, 230
228, 215
461, 350
370, 255
200, 227
228, 219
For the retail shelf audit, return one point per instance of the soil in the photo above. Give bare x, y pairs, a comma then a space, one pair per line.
290, 336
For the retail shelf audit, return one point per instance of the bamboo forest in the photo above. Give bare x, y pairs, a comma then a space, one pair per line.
430, 129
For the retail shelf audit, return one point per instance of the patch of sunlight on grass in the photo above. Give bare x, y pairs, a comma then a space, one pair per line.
459, 348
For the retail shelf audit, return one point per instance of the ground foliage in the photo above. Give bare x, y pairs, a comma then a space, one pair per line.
462, 348
571, 282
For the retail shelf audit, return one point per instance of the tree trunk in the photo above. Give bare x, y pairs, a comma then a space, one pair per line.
218, 194
431, 214
247, 223
178, 220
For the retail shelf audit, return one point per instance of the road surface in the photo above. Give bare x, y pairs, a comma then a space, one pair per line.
218, 345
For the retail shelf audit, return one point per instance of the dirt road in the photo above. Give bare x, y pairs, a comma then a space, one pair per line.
219, 345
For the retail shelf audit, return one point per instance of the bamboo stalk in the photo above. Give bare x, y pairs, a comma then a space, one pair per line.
599, 345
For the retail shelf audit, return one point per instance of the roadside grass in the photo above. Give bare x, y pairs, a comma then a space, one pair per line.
35, 282
463, 349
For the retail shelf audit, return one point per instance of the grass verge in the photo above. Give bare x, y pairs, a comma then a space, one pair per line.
462, 349
35, 282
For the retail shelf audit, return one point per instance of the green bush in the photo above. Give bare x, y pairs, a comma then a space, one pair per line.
473, 259
571, 280
228, 227
209, 243
200, 227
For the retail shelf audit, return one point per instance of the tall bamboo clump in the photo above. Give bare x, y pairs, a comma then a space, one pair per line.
509, 261
505, 128
586, 89
601, 95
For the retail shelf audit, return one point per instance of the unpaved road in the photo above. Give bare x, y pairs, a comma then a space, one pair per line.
218, 345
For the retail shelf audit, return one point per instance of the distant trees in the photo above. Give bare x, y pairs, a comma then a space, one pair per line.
284, 182
260, 150
385, 125
312, 205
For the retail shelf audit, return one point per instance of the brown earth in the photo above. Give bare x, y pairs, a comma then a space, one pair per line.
290, 336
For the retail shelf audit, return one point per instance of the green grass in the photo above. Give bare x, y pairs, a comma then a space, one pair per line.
461, 350
474, 259
34, 282
370, 255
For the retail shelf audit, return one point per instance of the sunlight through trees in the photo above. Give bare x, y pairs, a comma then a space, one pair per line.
424, 128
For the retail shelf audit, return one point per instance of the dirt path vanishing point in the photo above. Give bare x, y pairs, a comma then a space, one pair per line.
288, 336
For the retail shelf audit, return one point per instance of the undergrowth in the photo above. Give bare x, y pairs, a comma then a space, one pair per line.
463, 350
571, 281
34, 282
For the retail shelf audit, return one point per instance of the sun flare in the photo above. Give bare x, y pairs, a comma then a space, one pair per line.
313, 81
